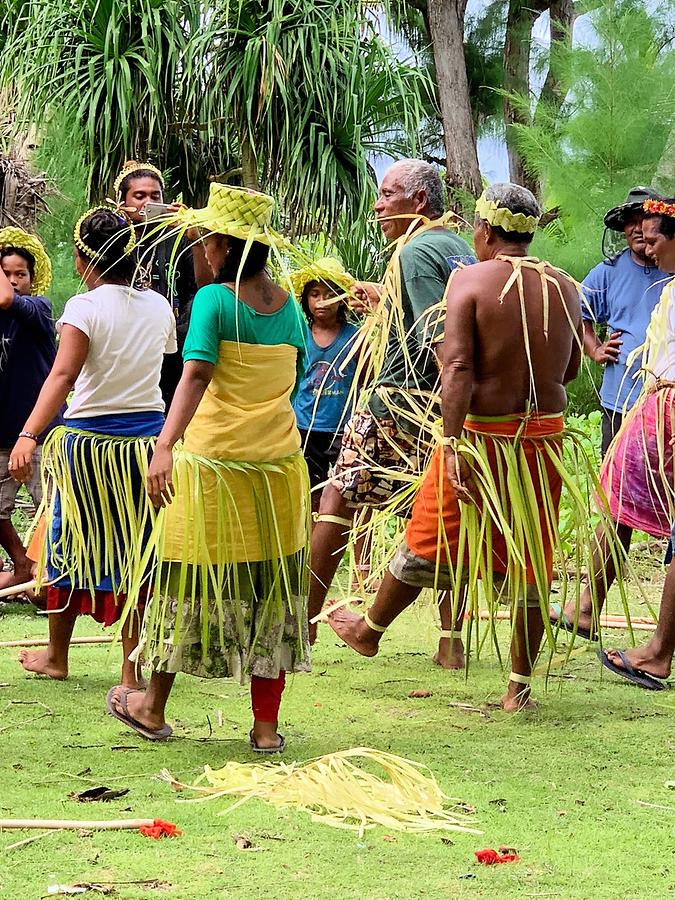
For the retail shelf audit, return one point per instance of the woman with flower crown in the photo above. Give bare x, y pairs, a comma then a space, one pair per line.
230, 596
112, 343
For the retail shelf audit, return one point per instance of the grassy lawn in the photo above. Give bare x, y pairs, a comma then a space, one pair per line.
561, 785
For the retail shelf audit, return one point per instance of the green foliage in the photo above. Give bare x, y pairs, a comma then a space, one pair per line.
583, 394
111, 66
619, 111
309, 91
299, 93
588, 430
60, 156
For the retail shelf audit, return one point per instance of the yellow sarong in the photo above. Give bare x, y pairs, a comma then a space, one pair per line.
240, 473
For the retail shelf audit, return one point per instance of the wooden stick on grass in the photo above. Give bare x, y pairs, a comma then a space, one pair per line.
76, 824
18, 588
43, 642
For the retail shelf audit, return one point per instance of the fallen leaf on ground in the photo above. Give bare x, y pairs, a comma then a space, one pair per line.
98, 793
500, 802
389, 838
448, 842
420, 693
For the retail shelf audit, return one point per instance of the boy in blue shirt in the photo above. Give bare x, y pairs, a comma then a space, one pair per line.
27, 352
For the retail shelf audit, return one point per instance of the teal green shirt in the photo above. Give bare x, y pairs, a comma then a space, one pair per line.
426, 262
218, 316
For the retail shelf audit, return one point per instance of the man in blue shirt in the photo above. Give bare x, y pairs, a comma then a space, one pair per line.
621, 293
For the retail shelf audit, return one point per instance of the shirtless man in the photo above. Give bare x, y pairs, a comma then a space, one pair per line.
487, 385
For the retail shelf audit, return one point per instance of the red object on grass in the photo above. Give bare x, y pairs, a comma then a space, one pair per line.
490, 857
159, 829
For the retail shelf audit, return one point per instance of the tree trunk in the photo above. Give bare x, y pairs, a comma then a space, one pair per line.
521, 17
563, 14
446, 25
249, 164
664, 177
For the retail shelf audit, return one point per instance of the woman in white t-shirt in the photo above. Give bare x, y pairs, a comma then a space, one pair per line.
112, 343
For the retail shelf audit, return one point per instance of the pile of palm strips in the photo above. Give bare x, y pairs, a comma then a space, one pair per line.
336, 791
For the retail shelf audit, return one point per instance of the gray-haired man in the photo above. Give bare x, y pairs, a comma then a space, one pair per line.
382, 437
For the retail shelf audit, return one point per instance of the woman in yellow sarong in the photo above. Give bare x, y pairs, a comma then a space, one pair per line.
230, 592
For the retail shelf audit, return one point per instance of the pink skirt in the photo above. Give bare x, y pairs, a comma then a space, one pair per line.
637, 472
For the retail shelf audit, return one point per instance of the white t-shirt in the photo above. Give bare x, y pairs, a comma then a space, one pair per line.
129, 332
660, 361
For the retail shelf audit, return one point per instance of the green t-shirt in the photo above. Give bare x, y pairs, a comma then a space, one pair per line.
410, 364
218, 316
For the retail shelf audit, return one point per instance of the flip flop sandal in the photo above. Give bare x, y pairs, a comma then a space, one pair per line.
630, 673
267, 751
159, 734
562, 622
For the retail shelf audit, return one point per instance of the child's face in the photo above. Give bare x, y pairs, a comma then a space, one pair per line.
17, 272
317, 294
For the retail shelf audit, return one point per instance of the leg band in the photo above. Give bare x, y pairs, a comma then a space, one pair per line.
444, 633
369, 622
336, 520
520, 679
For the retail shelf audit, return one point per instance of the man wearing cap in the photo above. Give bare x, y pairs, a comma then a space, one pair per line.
620, 294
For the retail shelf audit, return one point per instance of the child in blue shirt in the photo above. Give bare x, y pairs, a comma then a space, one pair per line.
323, 394
27, 352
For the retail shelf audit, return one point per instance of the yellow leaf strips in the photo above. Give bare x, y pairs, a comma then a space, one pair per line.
336, 791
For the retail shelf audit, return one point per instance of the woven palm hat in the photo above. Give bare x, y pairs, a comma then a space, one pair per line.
17, 237
326, 269
616, 217
237, 212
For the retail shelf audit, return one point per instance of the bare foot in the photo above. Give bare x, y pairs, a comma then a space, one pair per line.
450, 653
517, 698
41, 662
354, 632
570, 613
645, 659
138, 708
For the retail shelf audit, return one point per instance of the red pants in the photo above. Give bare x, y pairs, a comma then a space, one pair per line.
104, 607
266, 697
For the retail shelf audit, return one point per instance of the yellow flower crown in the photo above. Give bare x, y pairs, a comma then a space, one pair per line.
494, 214
96, 254
133, 166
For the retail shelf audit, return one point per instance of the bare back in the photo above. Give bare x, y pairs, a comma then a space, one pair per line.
500, 334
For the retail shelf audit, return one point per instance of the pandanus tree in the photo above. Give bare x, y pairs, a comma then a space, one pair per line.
292, 97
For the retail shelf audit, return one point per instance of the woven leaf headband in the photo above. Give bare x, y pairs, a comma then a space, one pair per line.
17, 237
494, 214
660, 208
326, 269
133, 166
237, 212
87, 251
